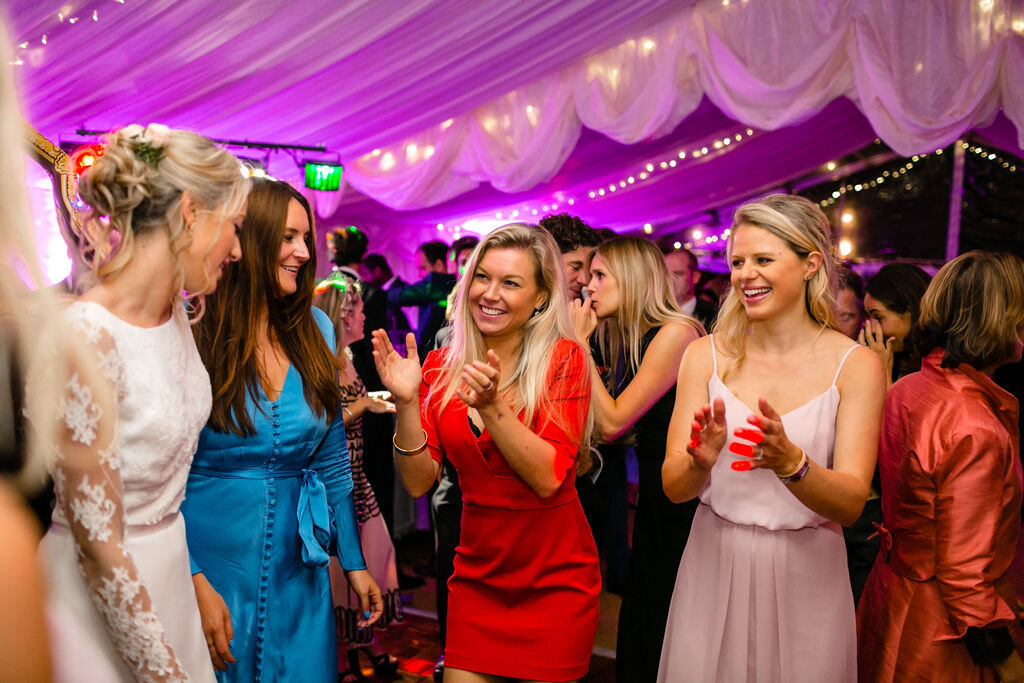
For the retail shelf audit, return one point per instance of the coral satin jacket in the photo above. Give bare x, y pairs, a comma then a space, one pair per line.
951, 499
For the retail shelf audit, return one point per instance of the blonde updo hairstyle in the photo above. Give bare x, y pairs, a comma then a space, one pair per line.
805, 229
136, 188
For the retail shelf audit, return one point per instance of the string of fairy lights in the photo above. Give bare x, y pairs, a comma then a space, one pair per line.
906, 167
632, 177
705, 239
66, 15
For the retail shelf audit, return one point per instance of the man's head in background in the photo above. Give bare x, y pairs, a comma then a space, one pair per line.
575, 240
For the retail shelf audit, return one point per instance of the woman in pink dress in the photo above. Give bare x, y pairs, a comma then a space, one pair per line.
939, 603
775, 428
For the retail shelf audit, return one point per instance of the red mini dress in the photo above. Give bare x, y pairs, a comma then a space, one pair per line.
523, 599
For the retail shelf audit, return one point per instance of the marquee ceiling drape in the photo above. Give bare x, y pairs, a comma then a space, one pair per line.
454, 111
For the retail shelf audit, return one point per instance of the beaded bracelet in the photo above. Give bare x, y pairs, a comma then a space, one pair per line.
414, 451
799, 473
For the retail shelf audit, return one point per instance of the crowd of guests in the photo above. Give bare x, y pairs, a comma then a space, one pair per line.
829, 481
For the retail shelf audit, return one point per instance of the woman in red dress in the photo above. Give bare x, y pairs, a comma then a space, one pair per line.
939, 603
508, 404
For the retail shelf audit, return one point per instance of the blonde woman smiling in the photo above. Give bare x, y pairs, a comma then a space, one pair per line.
775, 428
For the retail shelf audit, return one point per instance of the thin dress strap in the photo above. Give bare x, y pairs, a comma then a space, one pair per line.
714, 356
843, 361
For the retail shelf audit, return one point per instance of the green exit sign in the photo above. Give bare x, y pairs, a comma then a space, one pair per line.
325, 177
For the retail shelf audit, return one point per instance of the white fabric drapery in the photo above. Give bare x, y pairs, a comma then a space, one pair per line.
922, 73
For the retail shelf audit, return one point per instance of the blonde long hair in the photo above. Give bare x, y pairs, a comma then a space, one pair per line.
645, 300
526, 388
27, 335
805, 229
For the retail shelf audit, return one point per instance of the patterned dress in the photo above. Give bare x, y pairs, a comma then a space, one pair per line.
378, 550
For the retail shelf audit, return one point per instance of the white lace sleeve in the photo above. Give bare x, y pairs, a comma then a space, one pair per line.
88, 487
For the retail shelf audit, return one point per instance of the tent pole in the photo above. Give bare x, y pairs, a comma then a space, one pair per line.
956, 196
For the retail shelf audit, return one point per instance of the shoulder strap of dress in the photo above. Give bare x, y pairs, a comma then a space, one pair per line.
714, 356
842, 362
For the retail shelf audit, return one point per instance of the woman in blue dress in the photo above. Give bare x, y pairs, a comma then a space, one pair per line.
269, 495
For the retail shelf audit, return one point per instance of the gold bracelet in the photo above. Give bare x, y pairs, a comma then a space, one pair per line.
799, 473
414, 451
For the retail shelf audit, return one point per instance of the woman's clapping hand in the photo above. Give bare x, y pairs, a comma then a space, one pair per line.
400, 375
707, 434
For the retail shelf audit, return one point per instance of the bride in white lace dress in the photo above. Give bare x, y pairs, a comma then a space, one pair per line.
122, 605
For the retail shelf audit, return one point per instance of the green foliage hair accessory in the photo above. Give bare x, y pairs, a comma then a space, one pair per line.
148, 143
146, 152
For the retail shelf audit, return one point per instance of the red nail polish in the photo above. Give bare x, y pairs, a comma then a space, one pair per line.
694, 443
741, 466
744, 449
755, 435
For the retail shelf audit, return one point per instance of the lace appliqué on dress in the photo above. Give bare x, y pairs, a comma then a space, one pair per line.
93, 511
136, 631
79, 412
87, 482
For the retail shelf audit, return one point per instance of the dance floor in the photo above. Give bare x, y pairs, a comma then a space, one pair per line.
415, 640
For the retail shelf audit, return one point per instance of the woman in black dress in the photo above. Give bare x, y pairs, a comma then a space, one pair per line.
640, 328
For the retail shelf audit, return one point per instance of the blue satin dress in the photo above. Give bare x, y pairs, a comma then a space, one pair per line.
261, 514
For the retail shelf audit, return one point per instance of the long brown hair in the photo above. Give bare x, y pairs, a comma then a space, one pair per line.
228, 334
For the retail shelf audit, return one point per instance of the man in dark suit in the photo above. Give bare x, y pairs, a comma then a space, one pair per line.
684, 274
375, 274
430, 293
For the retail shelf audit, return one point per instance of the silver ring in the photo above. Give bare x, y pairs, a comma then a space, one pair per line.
489, 385
760, 453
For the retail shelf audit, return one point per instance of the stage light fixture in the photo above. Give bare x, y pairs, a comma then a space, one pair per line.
84, 156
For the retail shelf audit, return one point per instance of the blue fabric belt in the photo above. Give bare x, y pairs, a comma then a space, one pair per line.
316, 528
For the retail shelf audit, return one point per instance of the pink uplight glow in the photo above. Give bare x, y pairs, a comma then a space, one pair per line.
51, 248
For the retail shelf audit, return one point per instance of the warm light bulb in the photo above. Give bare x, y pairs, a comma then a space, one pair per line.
831, 166
847, 216
845, 247
697, 234
648, 228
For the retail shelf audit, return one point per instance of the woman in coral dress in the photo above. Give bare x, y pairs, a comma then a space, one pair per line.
939, 603
507, 403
